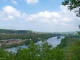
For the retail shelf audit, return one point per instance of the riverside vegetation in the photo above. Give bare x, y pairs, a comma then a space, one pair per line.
68, 49
20, 37
45, 51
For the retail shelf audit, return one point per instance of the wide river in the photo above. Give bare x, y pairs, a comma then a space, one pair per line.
53, 41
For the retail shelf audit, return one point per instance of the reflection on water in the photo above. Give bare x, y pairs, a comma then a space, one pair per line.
53, 41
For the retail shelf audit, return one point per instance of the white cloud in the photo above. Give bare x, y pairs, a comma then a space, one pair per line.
9, 13
9, 9
63, 19
14, 1
32, 1
10, 17
49, 17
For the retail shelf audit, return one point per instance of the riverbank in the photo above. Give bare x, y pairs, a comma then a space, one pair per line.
12, 40
52, 41
11, 43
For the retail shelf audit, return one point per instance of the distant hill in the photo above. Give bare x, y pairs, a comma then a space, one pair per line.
68, 33
7, 31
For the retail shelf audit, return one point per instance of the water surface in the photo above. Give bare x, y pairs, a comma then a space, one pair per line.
53, 41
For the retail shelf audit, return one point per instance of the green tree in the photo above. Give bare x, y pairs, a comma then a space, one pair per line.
73, 51
34, 50
3, 54
73, 4
42, 51
58, 54
10, 56
45, 51
76, 50
22, 54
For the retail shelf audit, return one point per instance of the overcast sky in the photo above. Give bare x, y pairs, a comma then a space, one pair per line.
37, 15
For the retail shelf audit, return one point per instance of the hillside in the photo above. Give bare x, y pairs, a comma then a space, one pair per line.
68, 40
7, 31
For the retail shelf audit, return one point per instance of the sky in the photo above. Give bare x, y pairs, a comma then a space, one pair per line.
37, 15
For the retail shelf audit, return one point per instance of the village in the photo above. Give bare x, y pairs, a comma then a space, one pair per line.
10, 42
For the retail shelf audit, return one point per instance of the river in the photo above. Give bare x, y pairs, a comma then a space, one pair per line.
53, 41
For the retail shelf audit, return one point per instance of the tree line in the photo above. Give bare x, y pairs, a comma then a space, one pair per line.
43, 51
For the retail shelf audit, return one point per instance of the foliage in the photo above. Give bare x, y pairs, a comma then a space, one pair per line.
7, 31
73, 4
43, 51
40, 52
34, 52
5, 55
71, 47
25, 37
75, 50
68, 40
72, 52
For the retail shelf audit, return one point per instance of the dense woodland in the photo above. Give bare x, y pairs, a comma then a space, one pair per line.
45, 51
7, 31
26, 37
68, 40
68, 49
